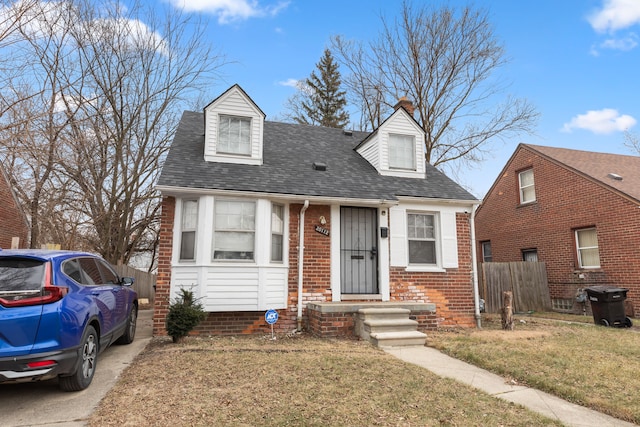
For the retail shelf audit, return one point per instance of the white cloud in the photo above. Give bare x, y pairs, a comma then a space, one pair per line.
230, 10
602, 121
625, 44
615, 15
290, 82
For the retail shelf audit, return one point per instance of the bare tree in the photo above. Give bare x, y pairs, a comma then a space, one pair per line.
445, 61
114, 87
34, 127
632, 141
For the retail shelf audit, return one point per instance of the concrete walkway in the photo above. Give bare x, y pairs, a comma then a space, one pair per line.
568, 413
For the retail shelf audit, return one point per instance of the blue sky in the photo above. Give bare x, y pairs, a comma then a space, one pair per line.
576, 61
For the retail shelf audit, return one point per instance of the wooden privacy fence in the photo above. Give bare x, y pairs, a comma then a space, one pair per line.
527, 281
144, 283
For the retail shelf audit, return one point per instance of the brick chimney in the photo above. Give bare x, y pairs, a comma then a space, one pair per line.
406, 104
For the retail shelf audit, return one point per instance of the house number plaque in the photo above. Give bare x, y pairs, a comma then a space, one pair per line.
322, 230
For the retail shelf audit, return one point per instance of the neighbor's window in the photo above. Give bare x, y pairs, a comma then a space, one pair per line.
402, 152
234, 233
530, 255
587, 247
188, 223
277, 232
527, 189
421, 234
234, 135
486, 252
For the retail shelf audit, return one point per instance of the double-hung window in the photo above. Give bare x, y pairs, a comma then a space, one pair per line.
421, 235
234, 135
527, 189
402, 152
277, 232
235, 230
188, 224
587, 248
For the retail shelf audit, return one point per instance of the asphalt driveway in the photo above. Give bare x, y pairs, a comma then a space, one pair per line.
43, 404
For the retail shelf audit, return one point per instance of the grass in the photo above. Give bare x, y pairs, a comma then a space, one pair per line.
586, 364
292, 381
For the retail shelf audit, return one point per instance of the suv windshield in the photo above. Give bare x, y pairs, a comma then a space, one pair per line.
21, 274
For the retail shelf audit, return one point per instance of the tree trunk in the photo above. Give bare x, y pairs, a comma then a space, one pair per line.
507, 311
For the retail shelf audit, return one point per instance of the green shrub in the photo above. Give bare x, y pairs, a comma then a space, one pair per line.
185, 312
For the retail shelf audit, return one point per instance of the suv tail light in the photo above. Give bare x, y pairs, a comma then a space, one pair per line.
49, 293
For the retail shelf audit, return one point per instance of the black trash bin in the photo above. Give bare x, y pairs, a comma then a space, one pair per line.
607, 306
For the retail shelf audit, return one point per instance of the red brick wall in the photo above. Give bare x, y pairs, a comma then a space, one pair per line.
163, 278
316, 277
564, 202
12, 220
452, 291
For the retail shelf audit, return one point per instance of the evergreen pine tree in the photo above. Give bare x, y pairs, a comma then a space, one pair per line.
323, 101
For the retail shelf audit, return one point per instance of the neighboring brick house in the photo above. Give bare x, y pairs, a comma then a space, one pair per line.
13, 222
577, 211
380, 226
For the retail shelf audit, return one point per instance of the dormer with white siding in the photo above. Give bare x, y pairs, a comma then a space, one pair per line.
233, 129
396, 148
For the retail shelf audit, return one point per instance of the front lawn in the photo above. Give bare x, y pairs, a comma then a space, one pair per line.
586, 364
293, 381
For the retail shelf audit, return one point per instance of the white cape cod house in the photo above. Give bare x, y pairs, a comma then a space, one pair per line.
313, 222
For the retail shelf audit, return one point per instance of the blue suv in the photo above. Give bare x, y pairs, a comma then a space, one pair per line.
58, 311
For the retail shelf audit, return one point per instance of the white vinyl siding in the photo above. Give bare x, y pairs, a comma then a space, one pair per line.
233, 288
402, 152
396, 157
231, 284
527, 188
236, 105
235, 229
188, 226
587, 248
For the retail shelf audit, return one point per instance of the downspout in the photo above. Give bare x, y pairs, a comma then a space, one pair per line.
474, 260
301, 262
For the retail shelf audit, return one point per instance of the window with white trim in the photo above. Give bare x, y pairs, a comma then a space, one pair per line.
188, 225
527, 189
234, 135
234, 230
421, 234
402, 152
587, 248
277, 232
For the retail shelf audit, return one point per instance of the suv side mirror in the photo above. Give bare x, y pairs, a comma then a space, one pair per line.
126, 281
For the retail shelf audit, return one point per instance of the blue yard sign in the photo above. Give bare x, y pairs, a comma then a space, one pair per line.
271, 316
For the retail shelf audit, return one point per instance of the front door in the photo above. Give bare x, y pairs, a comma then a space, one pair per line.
358, 250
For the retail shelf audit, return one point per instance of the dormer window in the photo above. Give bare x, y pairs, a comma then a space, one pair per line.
234, 135
402, 152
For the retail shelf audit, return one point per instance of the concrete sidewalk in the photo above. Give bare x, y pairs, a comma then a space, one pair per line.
568, 413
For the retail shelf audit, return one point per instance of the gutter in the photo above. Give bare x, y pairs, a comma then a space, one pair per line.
301, 262
474, 260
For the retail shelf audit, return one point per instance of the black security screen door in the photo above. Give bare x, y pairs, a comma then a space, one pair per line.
358, 250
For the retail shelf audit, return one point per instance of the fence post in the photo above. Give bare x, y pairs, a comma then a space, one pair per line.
507, 311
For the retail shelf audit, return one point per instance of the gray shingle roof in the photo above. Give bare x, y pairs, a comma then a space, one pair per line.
289, 153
